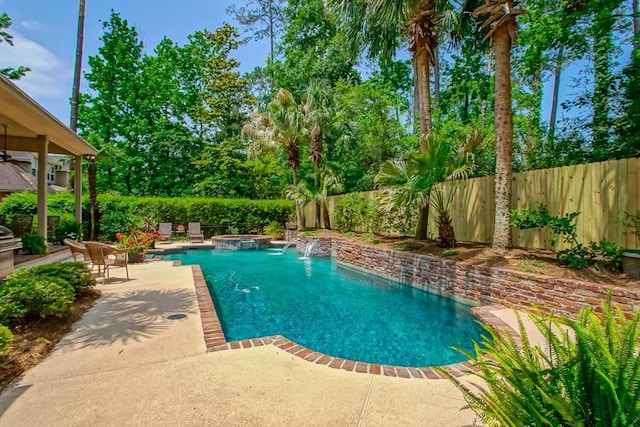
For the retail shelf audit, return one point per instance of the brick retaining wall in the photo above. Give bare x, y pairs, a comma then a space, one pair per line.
482, 285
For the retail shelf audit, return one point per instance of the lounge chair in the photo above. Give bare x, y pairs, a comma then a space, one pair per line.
194, 234
165, 232
107, 256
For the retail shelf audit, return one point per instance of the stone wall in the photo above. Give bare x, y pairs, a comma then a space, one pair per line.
322, 246
482, 285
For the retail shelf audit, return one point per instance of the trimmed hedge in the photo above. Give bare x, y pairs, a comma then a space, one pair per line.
42, 291
118, 213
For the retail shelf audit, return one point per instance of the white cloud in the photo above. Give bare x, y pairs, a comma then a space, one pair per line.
30, 25
48, 78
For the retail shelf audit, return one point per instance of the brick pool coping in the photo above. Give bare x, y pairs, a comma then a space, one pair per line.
216, 341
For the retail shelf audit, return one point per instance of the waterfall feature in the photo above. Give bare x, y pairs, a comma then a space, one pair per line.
307, 249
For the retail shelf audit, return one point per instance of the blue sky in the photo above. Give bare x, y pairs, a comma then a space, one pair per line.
45, 38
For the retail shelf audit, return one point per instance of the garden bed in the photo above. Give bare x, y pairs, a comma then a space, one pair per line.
535, 261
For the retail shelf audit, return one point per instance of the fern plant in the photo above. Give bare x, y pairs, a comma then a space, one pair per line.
586, 374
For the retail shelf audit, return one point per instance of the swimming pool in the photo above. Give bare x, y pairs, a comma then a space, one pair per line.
332, 309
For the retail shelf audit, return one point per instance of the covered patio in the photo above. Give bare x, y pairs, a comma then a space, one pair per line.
27, 126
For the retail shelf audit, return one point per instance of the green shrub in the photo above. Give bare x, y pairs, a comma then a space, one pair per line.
25, 294
354, 212
448, 253
19, 204
32, 244
77, 274
587, 377
275, 230
68, 229
5, 338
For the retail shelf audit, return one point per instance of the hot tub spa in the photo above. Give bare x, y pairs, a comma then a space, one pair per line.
241, 241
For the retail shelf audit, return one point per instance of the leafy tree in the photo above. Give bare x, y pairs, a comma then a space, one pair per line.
264, 18
5, 36
282, 127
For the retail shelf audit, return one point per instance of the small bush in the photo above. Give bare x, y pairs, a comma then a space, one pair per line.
27, 294
68, 229
5, 338
449, 253
32, 244
275, 230
76, 273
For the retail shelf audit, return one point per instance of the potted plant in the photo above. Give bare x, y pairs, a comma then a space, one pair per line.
136, 243
631, 257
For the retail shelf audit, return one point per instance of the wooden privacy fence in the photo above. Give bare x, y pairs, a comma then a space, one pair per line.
601, 192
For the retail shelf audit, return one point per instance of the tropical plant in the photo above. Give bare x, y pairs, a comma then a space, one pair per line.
413, 182
5, 338
282, 127
275, 230
502, 25
586, 373
329, 182
380, 25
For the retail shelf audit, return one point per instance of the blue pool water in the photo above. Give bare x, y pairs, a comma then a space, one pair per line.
332, 309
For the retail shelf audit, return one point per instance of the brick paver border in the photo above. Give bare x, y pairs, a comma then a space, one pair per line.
215, 341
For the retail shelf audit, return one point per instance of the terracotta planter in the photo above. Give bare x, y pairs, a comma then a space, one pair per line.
631, 263
135, 257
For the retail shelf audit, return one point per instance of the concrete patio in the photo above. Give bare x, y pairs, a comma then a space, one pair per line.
126, 363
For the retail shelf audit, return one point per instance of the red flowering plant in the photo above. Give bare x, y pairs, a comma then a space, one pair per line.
136, 242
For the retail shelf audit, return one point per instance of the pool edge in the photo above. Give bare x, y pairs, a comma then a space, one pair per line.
216, 341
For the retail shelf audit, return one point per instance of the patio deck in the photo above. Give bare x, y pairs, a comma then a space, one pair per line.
126, 363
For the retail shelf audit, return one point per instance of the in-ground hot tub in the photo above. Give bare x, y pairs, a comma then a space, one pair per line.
241, 241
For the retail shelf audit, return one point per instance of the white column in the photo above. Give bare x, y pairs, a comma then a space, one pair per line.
43, 164
78, 189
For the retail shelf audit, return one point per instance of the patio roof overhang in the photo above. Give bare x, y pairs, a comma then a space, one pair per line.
26, 120
29, 127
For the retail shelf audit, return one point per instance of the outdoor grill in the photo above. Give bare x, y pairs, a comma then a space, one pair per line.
8, 242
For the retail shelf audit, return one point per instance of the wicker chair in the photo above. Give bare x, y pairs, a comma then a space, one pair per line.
107, 256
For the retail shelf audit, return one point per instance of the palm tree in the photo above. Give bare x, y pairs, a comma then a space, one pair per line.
329, 181
502, 25
414, 182
319, 111
282, 127
379, 25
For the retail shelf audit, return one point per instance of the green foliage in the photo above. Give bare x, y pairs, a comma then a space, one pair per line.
32, 244
275, 230
409, 246
578, 255
232, 229
5, 338
450, 252
68, 228
632, 223
76, 273
25, 294
370, 238
587, 377
24, 203
594, 254
354, 212
10, 72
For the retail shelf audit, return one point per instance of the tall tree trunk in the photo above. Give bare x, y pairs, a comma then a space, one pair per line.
271, 30
504, 138
421, 60
555, 98
436, 77
77, 75
327, 219
636, 24
93, 197
416, 100
298, 207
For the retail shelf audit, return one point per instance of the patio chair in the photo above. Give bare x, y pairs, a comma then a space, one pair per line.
165, 232
107, 256
194, 234
53, 222
21, 225
77, 249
